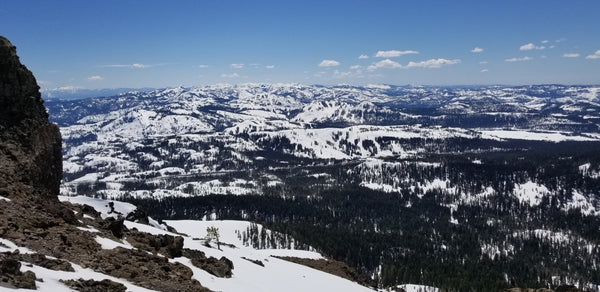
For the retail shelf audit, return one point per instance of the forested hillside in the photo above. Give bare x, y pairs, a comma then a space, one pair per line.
462, 188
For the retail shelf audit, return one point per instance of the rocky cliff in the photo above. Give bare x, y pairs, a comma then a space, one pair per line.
34, 224
30, 146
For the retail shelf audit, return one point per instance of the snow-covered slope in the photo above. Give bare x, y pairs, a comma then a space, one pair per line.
184, 141
484, 159
50, 279
273, 274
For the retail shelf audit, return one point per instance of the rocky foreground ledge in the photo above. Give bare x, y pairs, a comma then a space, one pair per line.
52, 234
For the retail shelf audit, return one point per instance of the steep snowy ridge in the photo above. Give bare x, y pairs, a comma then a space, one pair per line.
335, 111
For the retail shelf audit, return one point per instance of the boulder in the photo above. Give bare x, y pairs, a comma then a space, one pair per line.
222, 268
10, 273
91, 285
115, 226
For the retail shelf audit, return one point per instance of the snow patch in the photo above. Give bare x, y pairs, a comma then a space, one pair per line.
579, 201
418, 288
530, 193
586, 170
111, 244
551, 136
102, 206
88, 229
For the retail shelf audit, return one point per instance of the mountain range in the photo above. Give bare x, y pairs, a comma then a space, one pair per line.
292, 187
472, 187
55, 243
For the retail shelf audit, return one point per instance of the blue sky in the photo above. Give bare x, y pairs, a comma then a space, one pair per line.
111, 44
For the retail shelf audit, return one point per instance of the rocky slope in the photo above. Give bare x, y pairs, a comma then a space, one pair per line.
31, 160
31, 215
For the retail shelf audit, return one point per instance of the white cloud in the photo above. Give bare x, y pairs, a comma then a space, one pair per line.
329, 63
477, 50
134, 65
378, 86
233, 75
337, 73
484, 70
237, 66
518, 59
527, 47
483, 62
355, 67
596, 55
95, 78
363, 57
387, 63
202, 66
531, 46
571, 55
68, 88
393, 53
545, 41
270, 66
432, 63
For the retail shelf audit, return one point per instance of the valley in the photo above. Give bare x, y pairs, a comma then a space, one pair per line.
425, 185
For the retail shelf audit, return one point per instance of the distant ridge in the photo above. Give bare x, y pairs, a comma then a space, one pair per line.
72, 93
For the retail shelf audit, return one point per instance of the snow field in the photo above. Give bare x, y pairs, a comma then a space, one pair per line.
276, 275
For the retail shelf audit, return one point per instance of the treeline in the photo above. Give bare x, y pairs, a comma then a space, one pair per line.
259, 238
417, 244
454, 236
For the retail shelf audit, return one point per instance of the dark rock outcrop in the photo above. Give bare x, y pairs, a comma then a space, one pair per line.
11, 274
89, 210
30, 156
115, 226
19, 91
139, 216
147, 270
167, 245
32, 216
256, 262
30, 146
95, 286
40, 260
221, 268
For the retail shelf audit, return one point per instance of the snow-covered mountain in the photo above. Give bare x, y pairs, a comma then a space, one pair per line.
450, 180
459, 188
181, 141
